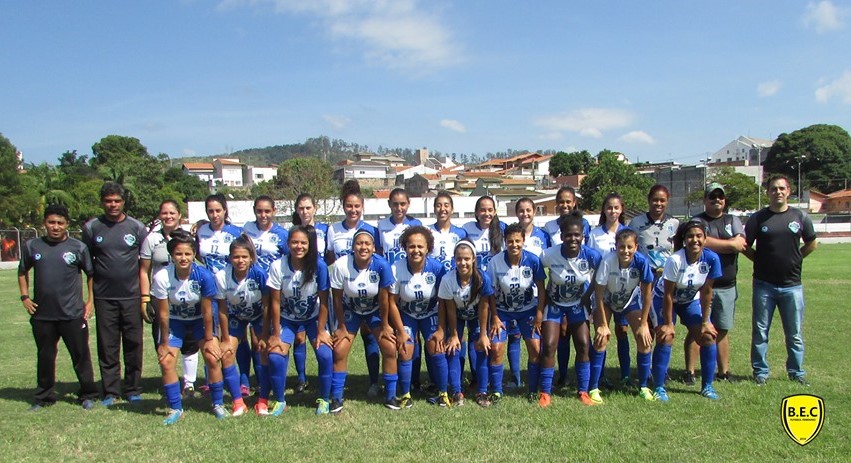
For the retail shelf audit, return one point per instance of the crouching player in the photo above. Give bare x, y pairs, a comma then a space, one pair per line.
624, 287
687, 290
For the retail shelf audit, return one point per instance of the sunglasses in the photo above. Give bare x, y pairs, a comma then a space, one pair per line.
715, 196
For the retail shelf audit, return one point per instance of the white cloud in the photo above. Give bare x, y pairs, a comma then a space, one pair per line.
590, 122
839, 88
337, 122
638, 136
399, 34
453, 125
768, 88
824, 16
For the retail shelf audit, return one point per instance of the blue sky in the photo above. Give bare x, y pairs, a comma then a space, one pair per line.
656, 80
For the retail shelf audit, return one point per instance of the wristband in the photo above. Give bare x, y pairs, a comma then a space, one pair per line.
25, 297
146, 298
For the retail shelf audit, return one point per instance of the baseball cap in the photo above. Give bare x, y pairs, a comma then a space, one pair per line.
712, 187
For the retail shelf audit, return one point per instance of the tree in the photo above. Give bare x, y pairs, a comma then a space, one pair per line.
305, 175
10, 183
577, 162
740, 189
612, 175
824, 152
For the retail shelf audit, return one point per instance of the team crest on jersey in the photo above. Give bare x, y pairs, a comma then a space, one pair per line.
252, 285
703, 268
373, 277
527, 273
195, 287
795, 227
273, 239
429, 278
99, 239
633, 273
129, 239
583, 265
764, 229
37, 256
69, 258
227, 239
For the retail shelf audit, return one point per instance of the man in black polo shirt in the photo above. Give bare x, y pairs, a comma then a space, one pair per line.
778, 231
114, 240
726, 237
57, 309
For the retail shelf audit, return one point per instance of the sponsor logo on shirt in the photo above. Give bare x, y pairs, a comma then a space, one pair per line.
795, 227
69, 258
764, 229
129, 239
37, 256
99, 239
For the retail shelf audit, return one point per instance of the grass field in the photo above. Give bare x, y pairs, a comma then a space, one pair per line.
744, 425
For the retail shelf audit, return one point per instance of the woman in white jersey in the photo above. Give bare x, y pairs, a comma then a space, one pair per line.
485, 232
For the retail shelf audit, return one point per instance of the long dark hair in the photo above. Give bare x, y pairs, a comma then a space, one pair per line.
476, 282
219, 198
400, 191
298, 199
311, 259
495, 230
243, 241
606, 200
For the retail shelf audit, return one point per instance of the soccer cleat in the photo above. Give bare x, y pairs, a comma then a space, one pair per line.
239, 410
374, 390
544, 400
109, 401
261, 409
495, 397
336, 406
393, 403
646, 394
174, 415
322, 407
532, 397
205, 389
709, 392
406, 401
482, 400
443, 400
244, 391
134, 399
300, 387
458, 399
87, 404
595, 396
220, 411
688, 378
278, 408
585, 399
661, 394
761, 380
188, 391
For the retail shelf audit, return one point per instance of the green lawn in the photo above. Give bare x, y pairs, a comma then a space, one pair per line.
744, 425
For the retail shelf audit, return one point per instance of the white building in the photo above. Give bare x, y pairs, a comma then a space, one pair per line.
228, 172
257, 174
751, 150
203, 170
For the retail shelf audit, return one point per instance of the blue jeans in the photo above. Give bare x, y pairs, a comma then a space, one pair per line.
790, 302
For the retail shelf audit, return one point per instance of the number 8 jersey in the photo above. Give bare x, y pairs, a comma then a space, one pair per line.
689, 278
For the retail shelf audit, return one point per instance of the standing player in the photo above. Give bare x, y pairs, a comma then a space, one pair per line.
536, 239
113, 240
778, 231
340, 242
360, 283
445, 234
725, 236
153, 256
414, 298
571, 272
624, 287
182, 293
57, 309
515, 272
656, 230
466, 294
242, 298
485, 232
299, 286
687, 282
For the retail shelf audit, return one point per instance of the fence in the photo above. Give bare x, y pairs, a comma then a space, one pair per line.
10, 251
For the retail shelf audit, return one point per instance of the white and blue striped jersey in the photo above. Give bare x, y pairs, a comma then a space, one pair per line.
480, 238
569, 277
214, 246
514, 286
184, 296
417, 292
451, 289
361, 286
299, 299
270, 244
245, 297
603, 241
537, 241
554, 231
444, 244
340, 237
689, 278
623, 285
390, 232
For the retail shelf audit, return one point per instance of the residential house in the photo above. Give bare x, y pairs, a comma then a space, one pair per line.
228, 172
752, 150
203, 170
257, 174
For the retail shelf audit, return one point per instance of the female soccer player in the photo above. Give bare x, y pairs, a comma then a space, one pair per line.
242, 298
183, 293
299, 303
360, 284
414, 298
153, 256
445, 234
687, 281
536, 238
571, 270
565, 204
390, 228
624, 287
485, 232
514, 273
603, 240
